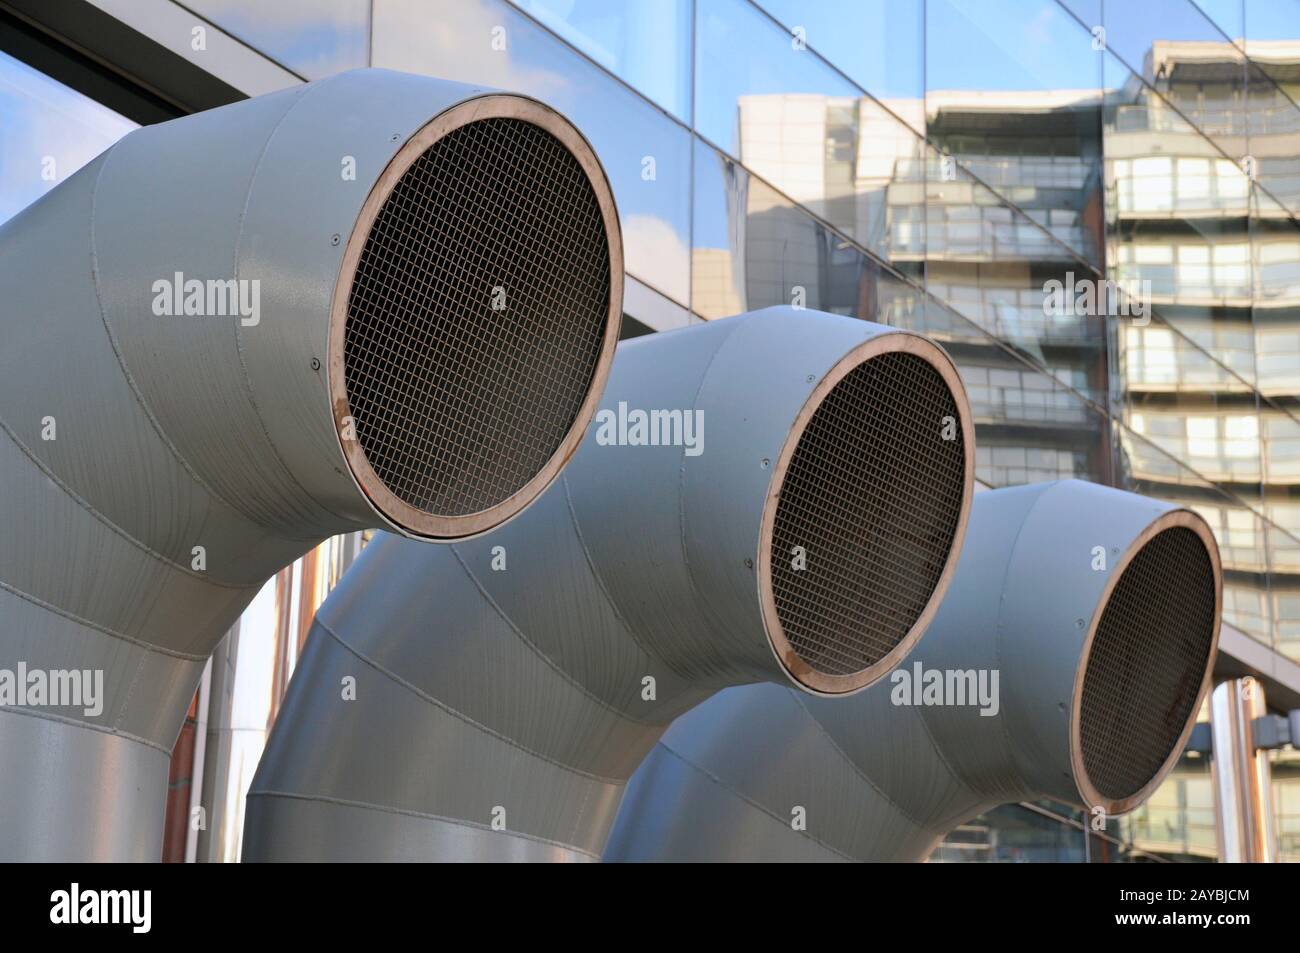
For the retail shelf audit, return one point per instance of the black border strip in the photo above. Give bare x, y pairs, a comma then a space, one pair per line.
99, 56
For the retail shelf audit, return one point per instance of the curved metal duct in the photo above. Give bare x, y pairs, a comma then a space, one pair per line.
1098, 609
489, 700
379, 299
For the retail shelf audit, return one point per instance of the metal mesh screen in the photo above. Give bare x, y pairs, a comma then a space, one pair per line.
477, 315
1147, 662
872, 496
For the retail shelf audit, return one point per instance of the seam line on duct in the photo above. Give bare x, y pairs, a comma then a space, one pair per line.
853, 766
542, 656
130, 693
121, 360
1002, 723
582, 813
704, 607
88, 507
959, 777
691, 765
303, 92
73, 617
442, 706
406, 812
73, 722
600, 581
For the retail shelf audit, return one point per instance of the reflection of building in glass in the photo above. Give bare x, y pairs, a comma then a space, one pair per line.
1222, 256
1178, 820
1027, 187
1009, 199
1014, 198
979, 258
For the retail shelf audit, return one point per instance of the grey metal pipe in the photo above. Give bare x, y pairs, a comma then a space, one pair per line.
1242, 774
488, 700
1098, 611
186, 404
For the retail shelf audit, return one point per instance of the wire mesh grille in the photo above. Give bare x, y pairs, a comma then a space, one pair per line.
873, 496
476, 317
1147, 662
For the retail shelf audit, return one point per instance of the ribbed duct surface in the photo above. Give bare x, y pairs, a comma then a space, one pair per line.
874, 497
526, 673
1147, 662
1035, 647
237, 309
477, 317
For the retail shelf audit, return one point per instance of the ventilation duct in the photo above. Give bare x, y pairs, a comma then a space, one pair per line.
488, 700
1098, 609
378, 299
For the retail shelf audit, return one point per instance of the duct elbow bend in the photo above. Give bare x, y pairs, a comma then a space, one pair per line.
698, 539
772, 540
1092, 613
1107, 632
294, 316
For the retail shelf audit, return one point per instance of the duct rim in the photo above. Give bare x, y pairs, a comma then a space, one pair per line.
804, 675
394, 511
1092, 797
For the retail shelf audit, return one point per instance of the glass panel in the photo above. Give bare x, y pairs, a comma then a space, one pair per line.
1273, 118
1012, 217
804, 129
877, 43
1029, 427
1275, 249
1173, 46
754, 248
1273, 125
1191, 61
1227, 16
646, 43
1008, 272
719, 285
1153, 444
314, 38
790, 119
1013, 96
645, 154
49, 133
1032, 47
1184, 381
743, 59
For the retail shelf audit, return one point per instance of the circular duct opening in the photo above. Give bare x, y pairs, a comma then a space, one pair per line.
476, 317
1146, 663
873, 493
